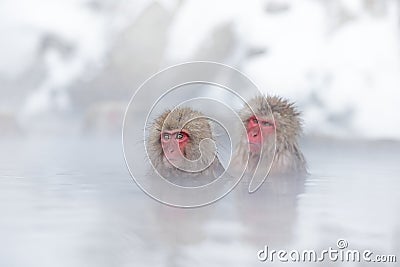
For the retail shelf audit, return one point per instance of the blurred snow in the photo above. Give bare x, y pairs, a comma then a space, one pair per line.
70, 39
338, 60
345, 79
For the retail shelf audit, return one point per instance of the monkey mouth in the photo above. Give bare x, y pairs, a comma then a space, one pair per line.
254, 148
254, 144
172, 163
172, 159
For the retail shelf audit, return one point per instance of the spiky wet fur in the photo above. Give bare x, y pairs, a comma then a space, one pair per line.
198, 128
288, 157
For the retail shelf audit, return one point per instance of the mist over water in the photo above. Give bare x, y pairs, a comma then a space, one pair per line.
72, 202
69, 68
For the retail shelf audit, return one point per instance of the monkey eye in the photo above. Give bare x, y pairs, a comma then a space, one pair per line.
255, 120
266, 123
180, 136
166, 136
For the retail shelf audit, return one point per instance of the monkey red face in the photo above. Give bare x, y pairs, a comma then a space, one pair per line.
257, 130
174, 143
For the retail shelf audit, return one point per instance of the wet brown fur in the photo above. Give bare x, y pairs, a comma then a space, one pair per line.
288, 156
198, 128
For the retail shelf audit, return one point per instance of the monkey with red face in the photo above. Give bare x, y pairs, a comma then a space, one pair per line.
270, 142
180, 147
273, 127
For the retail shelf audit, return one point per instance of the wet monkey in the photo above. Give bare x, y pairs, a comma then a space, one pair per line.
273, 126
180, 148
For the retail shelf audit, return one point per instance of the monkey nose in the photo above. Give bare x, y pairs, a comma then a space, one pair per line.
254, 133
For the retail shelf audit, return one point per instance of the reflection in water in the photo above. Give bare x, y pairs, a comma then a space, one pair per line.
71, 202
177, 229
270, 213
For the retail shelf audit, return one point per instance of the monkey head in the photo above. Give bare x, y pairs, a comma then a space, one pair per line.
175, 137
264, 117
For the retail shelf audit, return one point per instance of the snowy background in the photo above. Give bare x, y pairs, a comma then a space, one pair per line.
71, 66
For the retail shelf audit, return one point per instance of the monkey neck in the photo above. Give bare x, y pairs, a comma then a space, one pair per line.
204, 168
288, 157
284, 145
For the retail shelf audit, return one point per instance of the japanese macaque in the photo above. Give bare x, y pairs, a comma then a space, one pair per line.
272, 128
180, 145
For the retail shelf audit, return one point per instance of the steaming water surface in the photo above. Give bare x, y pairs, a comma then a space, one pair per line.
72, 202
